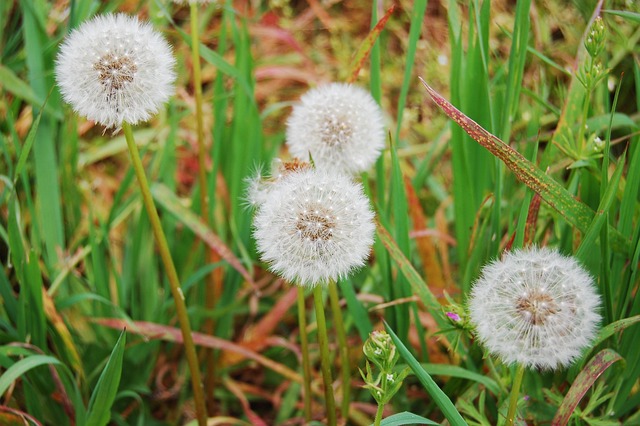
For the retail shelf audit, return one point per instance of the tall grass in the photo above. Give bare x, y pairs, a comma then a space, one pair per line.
79, 262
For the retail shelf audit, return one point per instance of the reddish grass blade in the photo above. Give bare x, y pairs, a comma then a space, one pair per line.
367, 45
171, 334
13, 417
576, 213
583, 383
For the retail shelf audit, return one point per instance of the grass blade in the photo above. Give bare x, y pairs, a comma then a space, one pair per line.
439, 397
99, 411
406, 418
19, 368
365, 48
582, 383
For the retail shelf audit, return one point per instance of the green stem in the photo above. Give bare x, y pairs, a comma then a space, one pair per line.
378, 418
344, 349
515, 392
304, 343
325, 360
211, 296
172, 276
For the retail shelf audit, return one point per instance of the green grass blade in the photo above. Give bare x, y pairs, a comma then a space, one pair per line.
19, 368
462, 373
417, 20
406, 418
439, 397
99, 410
630, 16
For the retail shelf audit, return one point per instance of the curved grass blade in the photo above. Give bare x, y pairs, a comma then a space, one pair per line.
613, 328
462, 373
439, 397
575, 212
406, 418
99, 411
172, 334
365, 48
583, 383
21, 367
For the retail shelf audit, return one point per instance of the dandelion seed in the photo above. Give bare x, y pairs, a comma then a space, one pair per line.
340, 125
536, 308
115, 68
308, 237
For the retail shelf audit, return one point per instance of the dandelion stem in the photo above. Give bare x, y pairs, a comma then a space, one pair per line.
515, 392
344, 349
172, 276
304, 343
211, 291
324, 356
379, 411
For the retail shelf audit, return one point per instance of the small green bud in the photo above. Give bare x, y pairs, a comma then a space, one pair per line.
595, 41
381, 351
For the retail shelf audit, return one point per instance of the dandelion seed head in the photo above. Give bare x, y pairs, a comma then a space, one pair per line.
313, 226
114, 68
535, 307
340, 125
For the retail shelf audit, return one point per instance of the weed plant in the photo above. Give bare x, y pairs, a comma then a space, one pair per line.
523, 132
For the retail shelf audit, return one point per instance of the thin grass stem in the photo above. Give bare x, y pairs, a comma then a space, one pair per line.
344, 349
172, 276
304, 347
325, 360
515, 393
211, 293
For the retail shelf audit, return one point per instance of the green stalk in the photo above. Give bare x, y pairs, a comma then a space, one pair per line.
515, 392
378, 419
304, 343
325, 360
210, 297
344, 349
172, 276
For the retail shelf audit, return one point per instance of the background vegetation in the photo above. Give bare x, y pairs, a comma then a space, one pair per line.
78, 254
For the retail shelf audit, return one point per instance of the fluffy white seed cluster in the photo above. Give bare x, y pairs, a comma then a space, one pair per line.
536, 308
115, 68
313, 226
340, 125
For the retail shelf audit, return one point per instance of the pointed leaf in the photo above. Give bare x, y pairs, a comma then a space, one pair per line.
99, 411
406, 418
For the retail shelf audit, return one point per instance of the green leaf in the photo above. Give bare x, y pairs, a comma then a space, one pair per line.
21, 367
630, 16
406, 418
22, 90
439, 397
99, 411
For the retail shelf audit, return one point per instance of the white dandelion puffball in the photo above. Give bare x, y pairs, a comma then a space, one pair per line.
340, 125
115, 68
536, 308
314, 227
